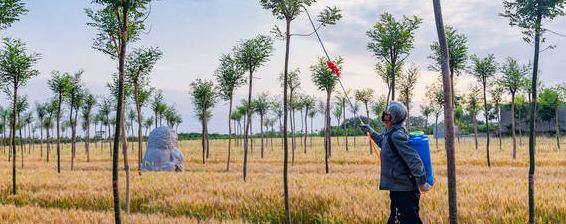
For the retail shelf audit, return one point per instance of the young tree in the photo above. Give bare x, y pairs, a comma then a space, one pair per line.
512, 79
407, 84
528, 15
458, 51
391, 42
435, 96
325, 80
51, 108
251, 55
289, 11
204, 98
60, 84
293, 83
75, 98
473, 108
140, 64
551, 101
261, 107
16, 68
366, 97
118, 23
496, 97
41, 113
309, 103
448, 94
229, 77
426, 111
89, 103
10, 10
483, 69
341, 100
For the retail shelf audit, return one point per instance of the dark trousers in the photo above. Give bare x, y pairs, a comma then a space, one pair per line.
404, 207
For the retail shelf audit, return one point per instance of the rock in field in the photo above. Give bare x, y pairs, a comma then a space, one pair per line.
162, 152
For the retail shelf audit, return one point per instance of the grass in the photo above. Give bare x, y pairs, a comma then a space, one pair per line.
349, 194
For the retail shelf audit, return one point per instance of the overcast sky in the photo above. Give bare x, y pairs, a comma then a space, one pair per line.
194, 33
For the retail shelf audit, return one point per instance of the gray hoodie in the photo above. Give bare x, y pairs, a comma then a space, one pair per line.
402, 170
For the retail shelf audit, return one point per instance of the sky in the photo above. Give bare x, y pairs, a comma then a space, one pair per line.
193, 34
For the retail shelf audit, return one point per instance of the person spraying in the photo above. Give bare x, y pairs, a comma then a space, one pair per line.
402, 170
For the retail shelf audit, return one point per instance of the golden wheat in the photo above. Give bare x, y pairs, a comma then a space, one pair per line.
349, 194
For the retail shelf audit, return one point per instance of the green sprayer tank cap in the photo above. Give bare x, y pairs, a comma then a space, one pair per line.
416, 133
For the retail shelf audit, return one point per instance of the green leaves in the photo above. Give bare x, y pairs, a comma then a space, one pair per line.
110, 27
483, 68
524, 13
60, 83
323, 78
329, 16
285, 9
253, 53
457, 49
204, 97
10, 10
16, 65
140, 63
229, 76
392, 39
513, 75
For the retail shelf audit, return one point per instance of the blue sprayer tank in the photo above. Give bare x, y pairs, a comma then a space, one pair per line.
419, 141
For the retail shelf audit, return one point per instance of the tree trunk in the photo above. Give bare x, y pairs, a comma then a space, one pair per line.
513, 126
448, 113
532, 130
285, 140
203, 142
328, 143
557, 116
436, 131
486, 121
345, 127
261, 130
247, 125
72, 137
305, 131
369, 140
13, 138
48, 143
58, 118
229, 134
293, 140
124, 140
475, 123
87, 141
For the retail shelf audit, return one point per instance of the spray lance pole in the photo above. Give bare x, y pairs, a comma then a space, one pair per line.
336, 71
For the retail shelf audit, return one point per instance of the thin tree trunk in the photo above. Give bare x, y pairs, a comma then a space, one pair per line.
513, 126
285, 140
261, 130
448, 113
345, 127
13, 138
475, 123
557, 116
327, 141
305, 131
486, 122
247, 126
124, 140
58, 118
229, 134
532, 130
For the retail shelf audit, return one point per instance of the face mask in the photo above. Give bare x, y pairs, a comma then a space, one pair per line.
385, 117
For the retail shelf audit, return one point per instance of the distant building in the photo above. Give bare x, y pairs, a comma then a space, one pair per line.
522, 124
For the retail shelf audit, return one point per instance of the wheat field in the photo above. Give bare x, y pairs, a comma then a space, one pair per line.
349, 194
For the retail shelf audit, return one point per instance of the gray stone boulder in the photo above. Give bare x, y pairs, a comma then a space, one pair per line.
162, 152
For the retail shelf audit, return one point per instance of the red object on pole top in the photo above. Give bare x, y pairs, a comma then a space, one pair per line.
333, 67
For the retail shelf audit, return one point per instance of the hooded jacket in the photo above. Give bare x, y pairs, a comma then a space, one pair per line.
402, 169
